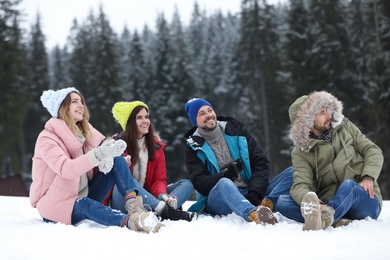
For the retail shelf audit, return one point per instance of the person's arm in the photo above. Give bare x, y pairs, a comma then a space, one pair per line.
159, 176
59, 161
260, 168
372, 154
198, 174
303, 177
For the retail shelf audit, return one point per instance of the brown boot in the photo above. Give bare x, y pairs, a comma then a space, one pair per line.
268, 204
327, 217
141, 219
263, 215
342, 222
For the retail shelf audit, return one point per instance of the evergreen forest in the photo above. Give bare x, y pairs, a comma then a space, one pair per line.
249, 65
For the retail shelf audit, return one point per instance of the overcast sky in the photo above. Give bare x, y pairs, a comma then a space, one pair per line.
57, 15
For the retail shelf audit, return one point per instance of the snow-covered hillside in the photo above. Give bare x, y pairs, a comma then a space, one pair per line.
23, 235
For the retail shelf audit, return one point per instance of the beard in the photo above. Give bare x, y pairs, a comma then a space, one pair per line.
206, 128
322, 128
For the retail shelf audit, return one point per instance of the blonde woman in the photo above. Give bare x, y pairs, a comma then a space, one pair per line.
72, 174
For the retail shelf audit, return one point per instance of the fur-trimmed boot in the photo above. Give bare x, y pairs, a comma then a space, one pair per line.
141, 219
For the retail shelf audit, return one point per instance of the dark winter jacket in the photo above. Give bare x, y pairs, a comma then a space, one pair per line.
203, 169
321, 166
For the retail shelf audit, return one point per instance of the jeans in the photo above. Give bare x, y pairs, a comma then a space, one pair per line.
181, 189
350, 201
91, 208
225, 198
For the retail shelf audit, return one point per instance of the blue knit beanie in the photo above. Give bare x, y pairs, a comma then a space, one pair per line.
192, 107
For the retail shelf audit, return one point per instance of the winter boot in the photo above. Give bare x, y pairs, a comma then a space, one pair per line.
268, 204
174, 214
342, 222
310, 210
263, 215
141, 219
327, 217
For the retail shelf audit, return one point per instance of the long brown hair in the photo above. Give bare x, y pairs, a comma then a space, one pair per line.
131, 136
79, 127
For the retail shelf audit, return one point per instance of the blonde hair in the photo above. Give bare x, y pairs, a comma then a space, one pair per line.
79, 127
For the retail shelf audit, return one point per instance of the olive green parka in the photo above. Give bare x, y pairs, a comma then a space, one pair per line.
321, 166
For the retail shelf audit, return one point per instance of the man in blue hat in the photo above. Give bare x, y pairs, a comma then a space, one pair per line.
228, 168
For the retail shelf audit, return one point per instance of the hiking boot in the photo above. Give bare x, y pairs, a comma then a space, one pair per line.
327, 217
141, 219
262, 215
342, 222
310, 210
268, 203
174, 214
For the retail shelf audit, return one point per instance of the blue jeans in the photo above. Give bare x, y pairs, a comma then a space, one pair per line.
91, 208
181, 189
350, 201
225, 198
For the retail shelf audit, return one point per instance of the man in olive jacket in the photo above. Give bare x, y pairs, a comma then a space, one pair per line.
336, 167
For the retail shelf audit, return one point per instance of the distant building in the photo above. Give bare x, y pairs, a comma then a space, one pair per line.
13, 186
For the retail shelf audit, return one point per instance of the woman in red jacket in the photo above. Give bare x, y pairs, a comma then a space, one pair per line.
146, 159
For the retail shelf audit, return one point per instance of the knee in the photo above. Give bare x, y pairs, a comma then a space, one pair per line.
224, 182
120, 160
282, 201
348, 183
186, 183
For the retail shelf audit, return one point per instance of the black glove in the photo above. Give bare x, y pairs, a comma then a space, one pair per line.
253, 198
233, 170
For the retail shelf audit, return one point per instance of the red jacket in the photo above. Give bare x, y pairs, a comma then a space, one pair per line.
156, 172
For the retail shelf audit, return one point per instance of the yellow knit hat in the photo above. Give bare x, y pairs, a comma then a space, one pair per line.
123, 110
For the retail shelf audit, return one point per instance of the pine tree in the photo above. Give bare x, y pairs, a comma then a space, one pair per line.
182, 86
229, 87
125, 65
38, 82
195, 38
79, 62
137, 75
59, 77
105, 89
14, 94
259, 47
380, 88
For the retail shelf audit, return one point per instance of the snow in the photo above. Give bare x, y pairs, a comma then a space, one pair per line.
25, 236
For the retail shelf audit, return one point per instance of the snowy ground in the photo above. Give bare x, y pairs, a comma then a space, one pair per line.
23, 235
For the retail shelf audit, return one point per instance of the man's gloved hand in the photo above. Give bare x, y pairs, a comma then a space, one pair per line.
253, 198
233, 170
170, 200
110, 148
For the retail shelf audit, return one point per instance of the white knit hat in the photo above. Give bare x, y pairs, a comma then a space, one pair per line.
52, 99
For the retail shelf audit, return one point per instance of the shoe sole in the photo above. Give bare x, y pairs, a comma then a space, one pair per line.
265, 216
310, 210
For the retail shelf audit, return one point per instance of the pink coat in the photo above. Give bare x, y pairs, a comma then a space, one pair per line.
56, 170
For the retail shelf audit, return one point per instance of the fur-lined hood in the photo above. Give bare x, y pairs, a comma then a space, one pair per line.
302, 113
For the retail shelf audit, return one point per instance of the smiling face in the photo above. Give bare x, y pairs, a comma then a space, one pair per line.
143, 122
206, 119
321, 122
76, 108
